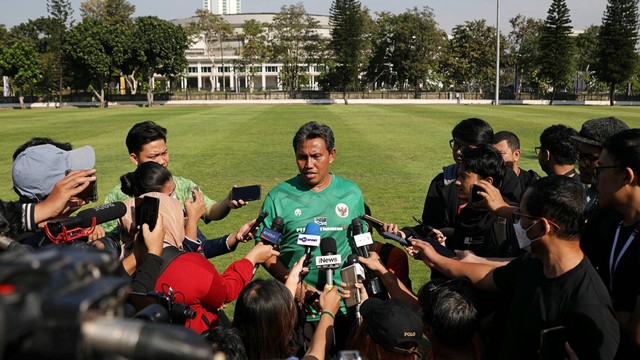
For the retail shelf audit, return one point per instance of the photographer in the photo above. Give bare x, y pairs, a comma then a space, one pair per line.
52, 183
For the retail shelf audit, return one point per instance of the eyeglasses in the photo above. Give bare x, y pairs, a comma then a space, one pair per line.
453, 144
588, 158
518, 215
597, 169
538, 149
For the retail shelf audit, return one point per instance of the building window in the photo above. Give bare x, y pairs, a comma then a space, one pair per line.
271, 69
226, 69
192, 69
205, 69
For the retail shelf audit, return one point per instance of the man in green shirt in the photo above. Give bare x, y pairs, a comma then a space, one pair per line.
147, 141
314, 195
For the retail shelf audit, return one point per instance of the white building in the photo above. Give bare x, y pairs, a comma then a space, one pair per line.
222, 7
201, 75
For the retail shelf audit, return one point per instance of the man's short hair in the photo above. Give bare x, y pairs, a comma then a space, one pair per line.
473, 131
143, 133
560, 199
559, 140
624, 147
313, 130
484, 160
448, 307
512, 139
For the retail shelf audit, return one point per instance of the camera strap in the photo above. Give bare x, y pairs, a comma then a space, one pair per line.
169, 254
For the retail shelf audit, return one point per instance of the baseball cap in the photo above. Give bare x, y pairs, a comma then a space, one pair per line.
37, 169
391, 323
596, 131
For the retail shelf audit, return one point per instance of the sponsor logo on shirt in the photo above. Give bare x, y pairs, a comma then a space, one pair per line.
322, 221
342, 210
298, 212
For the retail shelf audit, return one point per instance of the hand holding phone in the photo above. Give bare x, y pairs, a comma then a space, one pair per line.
475, 193
552, 342
256, 225
246, 193
147, 210
90, 193
375, 223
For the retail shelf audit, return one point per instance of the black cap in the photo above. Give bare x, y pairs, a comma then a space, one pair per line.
391, 323
596, 131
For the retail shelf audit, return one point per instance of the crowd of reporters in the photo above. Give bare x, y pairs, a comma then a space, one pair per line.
507, 248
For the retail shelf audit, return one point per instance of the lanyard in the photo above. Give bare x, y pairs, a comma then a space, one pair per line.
613, 265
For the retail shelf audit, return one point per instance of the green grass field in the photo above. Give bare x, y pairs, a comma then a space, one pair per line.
391, 151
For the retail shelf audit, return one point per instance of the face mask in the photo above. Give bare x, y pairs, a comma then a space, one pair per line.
521, 235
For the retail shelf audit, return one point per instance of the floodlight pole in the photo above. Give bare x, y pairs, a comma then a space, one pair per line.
497, 52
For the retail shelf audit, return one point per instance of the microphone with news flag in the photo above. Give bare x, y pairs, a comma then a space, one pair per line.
330, 260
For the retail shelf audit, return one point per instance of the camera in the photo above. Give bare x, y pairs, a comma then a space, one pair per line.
67, 302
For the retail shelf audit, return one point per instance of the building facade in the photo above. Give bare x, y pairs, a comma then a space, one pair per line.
228, 71
222, 7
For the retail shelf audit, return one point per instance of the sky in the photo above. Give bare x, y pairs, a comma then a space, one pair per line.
447, 13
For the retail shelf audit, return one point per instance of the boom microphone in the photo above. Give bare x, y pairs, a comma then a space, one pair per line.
84, 223
84, 219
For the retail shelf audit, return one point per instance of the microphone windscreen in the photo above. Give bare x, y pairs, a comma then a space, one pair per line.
356, 226
277, 224
352, 259
312, 229
102, 213
328, 246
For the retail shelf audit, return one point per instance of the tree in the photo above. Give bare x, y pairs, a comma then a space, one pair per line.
295, 43
471, 56
347, 42
254, 47
617, 40
556, 47
417, 42
380, 68
4, 36
96, 51
522, 49
212, 30
163, 47
60, 13
110, 11
21, 64
587, 54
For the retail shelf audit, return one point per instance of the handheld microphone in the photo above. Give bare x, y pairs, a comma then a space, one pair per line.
84, 222
256, 225
362, 240
352, 273
310, 240
329, 260
272, 235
